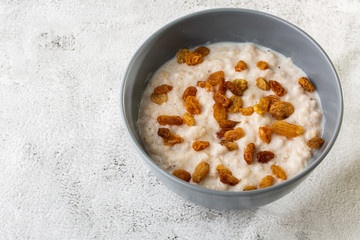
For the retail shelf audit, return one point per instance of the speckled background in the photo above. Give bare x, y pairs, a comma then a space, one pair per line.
67, 167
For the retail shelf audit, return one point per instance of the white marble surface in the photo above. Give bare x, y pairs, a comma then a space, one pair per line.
67, 167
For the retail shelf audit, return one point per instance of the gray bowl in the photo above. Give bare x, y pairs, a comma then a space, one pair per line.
234, 25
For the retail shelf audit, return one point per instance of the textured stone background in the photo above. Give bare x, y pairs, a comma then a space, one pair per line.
67, 167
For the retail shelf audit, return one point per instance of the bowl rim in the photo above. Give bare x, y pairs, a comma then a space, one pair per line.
308, 168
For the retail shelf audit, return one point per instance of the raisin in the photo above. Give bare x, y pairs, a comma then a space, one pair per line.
265, 134
231, 146
163, 89
277, 88
220, 134
206, 85
272, 99
169, 138
227, 123
315, 142
169, 120
235, 104
172, 140
203, 51
264, 156
193, 58
248, 153
219, 112
262, 84
201, 170
180, 55
226, 176
287, 129
188, 119
182, 174
267, 181
189, 91
278, 172
240, 66
221, 99
192, 105
249, 188
164, 132
281, 110
306, 84
234, 135
159, 98
246, 111
262, 106
200, 145
242, 83
235, 89
215, 78
222, 88
262, 65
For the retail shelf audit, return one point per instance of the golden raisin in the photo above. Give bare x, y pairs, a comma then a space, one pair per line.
222, 88
216, 77
315, 142
287, 129
164, 132
221, 99
278, 172
265, 134
201, 170
272, 99
248, 153
226, 176
182, 174
262, 65
227, 123
235, 104
169, 138
249, 188
192, 105
169, 120
193, 58
180, 55
172, 140
231, 146
281, 110
219, 112
240, 66
266, 181
246, 111
234, 88
264, 156
200, 145
188, 119
206, 85
234, 135
159, 98
262, 84
220, 134
203, 51
242, 83
189, 91
306, 84
262, 106
163, 89
277, 88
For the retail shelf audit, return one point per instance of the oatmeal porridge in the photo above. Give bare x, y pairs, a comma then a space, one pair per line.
230, 116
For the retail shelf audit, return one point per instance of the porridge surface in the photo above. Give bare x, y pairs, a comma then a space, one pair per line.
291, 154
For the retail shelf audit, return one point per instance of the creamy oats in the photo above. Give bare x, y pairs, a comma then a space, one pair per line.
291, 154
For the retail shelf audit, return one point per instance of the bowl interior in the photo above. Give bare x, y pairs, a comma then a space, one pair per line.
236, 25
